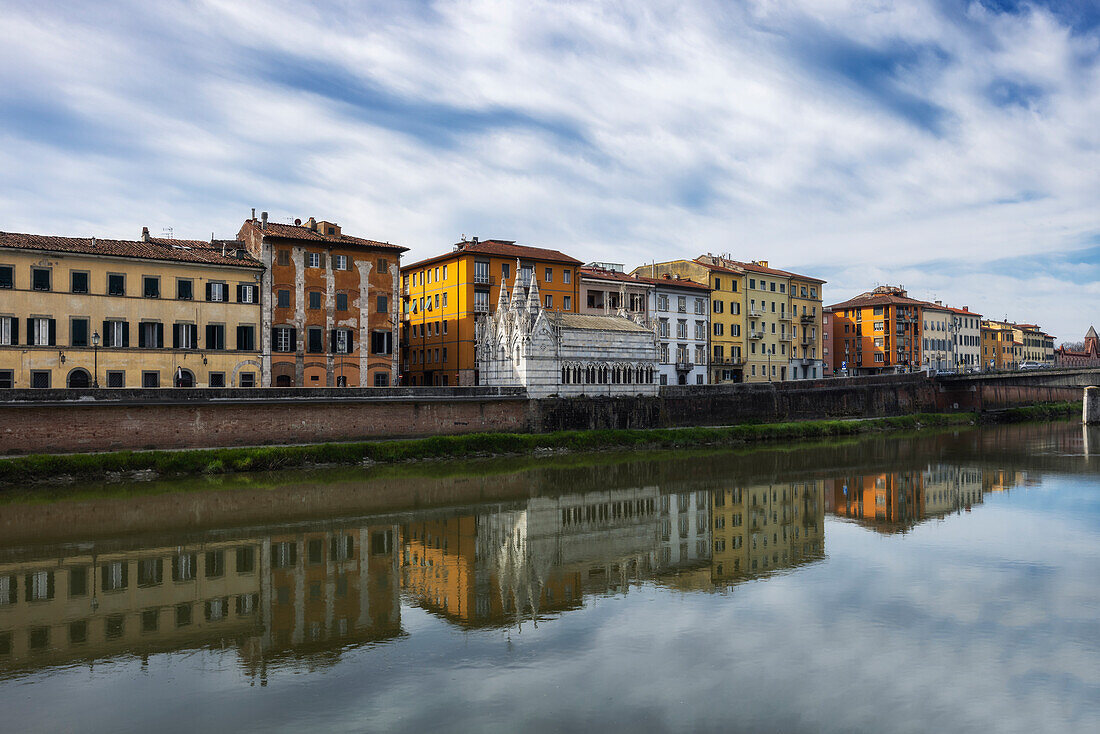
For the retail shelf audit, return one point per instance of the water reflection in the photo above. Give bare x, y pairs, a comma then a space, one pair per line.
305, 590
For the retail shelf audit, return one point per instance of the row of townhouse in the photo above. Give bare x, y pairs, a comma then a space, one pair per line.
714, 319
885, 331
285, 305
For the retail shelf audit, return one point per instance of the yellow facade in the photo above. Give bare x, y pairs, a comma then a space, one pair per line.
155, 324
1000, 350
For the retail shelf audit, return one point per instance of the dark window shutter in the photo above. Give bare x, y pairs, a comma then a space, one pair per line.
141, 336
240, 293
107, 334
125, 574
53, 332
125, 333
30, 332
332, 341
274, 339
15, 331
176, 335
194, 335
210, 337
209, 291
49, 585
322, 259
294, 340
160, 336
388, 342
240, 338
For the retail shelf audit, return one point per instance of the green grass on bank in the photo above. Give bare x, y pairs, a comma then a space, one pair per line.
1040, 412
273, 458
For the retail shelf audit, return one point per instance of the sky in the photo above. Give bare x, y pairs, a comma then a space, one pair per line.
952, 147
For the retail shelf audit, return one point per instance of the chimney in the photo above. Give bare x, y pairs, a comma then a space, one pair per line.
312, 224
144, 234
253, 213
475, 240
263, 220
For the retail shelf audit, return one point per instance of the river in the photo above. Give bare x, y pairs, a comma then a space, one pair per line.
944, 581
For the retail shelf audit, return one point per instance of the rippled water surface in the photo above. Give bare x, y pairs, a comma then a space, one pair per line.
943, 582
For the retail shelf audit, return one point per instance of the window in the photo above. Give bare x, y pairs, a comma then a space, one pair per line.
566, 276
215, 292
9, 331
381, 342
185, 336
315, 300
7, 379
150, 286
150, 379
752, 283
284, 339
341, 341
313, 259
7, 276
315, 340
246, 293
113, 575
282, 257
282, 298
341, 301
383, 303
79, 282
151, 335
215, 564
341, 262
216, 379
116, 378
549, 275
78, 332
381, 379
150, 572
42, 332
116, 284
567, 301
549, 301
246, 338
39, 586
384, 266
246, 379
40, 279
185, 289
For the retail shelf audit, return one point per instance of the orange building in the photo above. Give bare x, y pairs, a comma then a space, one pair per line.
444, 296
889, 502
876, 332
328, 304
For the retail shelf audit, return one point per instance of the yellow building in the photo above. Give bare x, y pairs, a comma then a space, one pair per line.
765, 323
444, 296
82, 312
726, 347
1000, 349
762, 528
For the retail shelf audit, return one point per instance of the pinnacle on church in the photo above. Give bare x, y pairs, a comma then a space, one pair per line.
517, 289
1091, 334
502, 297
533, 297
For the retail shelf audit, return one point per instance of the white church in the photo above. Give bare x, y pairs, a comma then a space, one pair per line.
566, 354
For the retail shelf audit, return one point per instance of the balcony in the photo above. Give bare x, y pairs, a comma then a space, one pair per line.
807, 318
754, 334
727, 362
684, 366
784, 316
481, 308
405, 290
483, 279
785, 337
756, 311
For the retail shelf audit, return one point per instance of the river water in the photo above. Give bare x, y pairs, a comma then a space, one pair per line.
938, 582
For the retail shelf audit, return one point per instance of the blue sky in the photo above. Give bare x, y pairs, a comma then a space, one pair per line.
949, 146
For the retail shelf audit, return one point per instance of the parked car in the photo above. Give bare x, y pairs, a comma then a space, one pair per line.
1031, 365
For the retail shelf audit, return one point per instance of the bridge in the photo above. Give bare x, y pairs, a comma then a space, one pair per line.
1000, 390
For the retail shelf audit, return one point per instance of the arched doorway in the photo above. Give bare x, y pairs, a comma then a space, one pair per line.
184, 378
282, 381
79, 378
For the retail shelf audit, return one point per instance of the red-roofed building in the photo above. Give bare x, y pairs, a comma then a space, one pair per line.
1089, 356
329, 304
443, 297
877, 332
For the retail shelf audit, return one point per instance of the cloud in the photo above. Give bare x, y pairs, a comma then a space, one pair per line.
863, 142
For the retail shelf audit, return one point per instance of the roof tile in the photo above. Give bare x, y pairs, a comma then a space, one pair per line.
191, 251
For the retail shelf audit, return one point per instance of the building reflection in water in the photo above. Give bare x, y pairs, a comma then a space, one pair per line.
276, 597
281, 596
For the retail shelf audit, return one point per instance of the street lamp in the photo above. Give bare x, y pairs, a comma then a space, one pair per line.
95, 357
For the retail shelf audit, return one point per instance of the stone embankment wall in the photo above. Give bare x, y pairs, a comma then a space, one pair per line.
57, 421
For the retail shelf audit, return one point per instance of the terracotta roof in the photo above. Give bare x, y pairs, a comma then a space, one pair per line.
960, 311
298, 232
192, 251
641, 279
878, 299
594, 323
500, 248
751, 267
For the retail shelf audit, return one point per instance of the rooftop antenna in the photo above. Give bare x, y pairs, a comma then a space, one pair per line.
167, 232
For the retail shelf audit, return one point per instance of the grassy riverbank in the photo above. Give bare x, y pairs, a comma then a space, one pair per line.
269, 458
